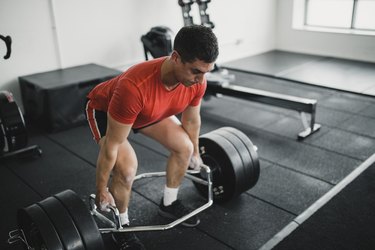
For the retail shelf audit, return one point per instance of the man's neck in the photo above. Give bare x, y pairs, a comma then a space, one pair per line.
167, 76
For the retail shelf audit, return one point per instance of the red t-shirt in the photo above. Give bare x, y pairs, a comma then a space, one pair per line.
138, 96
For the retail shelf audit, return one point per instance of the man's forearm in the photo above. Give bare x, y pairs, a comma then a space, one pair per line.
104, 166
192, 128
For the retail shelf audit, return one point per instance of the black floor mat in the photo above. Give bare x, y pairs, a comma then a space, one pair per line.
345, 222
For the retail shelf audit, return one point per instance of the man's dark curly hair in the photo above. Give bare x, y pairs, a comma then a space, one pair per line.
196, 42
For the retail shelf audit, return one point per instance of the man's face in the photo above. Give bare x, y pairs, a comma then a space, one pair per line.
190, 73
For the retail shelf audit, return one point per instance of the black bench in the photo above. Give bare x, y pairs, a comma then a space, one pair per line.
218, 83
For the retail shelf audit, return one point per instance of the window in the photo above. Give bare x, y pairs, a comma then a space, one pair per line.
329, 13
365, 15
349, 16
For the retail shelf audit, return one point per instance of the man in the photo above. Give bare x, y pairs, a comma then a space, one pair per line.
146, 98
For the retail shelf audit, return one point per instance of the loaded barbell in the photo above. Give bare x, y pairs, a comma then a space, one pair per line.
233, 160
62, 221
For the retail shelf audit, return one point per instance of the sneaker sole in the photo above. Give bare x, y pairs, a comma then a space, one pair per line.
185, 223
138, 246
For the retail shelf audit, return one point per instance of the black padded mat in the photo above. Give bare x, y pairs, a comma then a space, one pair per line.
345, 222
360, 124
289, 190
15, 194
272, 63
221, 219
293, 173
335, 73
143, 212
350, 144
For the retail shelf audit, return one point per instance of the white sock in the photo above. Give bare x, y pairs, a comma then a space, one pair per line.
124, 217
170, 195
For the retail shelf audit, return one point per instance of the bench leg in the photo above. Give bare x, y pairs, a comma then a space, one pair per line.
309, 129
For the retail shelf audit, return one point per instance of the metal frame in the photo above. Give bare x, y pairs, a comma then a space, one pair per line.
116, 224
302, 105
19, 236
353, 18
16, 236
34, 150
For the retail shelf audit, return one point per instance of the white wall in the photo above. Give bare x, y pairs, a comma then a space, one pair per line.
52, 34
244, 27
33, 49
109, 31
348, 46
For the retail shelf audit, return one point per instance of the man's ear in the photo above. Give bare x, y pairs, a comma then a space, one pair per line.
175, 56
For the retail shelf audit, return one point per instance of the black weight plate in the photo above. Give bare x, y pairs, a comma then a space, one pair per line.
222, 191
83, 220
236, 162
244, 177
63, 223
254, 169
216, 171
226, 167
38, 229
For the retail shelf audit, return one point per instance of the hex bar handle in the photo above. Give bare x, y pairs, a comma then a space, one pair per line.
116, 226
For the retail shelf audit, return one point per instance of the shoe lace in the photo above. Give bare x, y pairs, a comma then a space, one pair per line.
124, 245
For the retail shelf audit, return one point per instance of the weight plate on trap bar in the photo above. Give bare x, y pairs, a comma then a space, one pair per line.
233, 160
252, 169
243, 170
82, 218
249, 175
226, 165
38, 229
63, 223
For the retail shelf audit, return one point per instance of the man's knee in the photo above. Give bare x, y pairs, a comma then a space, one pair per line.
185, 149
126, 165
125, 168
124, 175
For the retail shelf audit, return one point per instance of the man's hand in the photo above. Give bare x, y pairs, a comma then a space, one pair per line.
104, 199
195, 162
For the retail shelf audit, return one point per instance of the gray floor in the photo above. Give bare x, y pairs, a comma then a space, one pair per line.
348, 75
294, 174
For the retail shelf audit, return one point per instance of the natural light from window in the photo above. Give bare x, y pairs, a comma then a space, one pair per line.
365, 17
329, 13
338, 16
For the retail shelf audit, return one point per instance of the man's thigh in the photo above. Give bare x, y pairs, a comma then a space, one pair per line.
168, 132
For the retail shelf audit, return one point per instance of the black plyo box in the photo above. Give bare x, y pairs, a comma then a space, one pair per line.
54, 100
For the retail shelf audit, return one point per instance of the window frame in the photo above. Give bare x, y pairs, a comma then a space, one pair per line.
300, 12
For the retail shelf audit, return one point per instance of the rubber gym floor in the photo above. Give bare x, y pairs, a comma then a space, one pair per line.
294, 174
